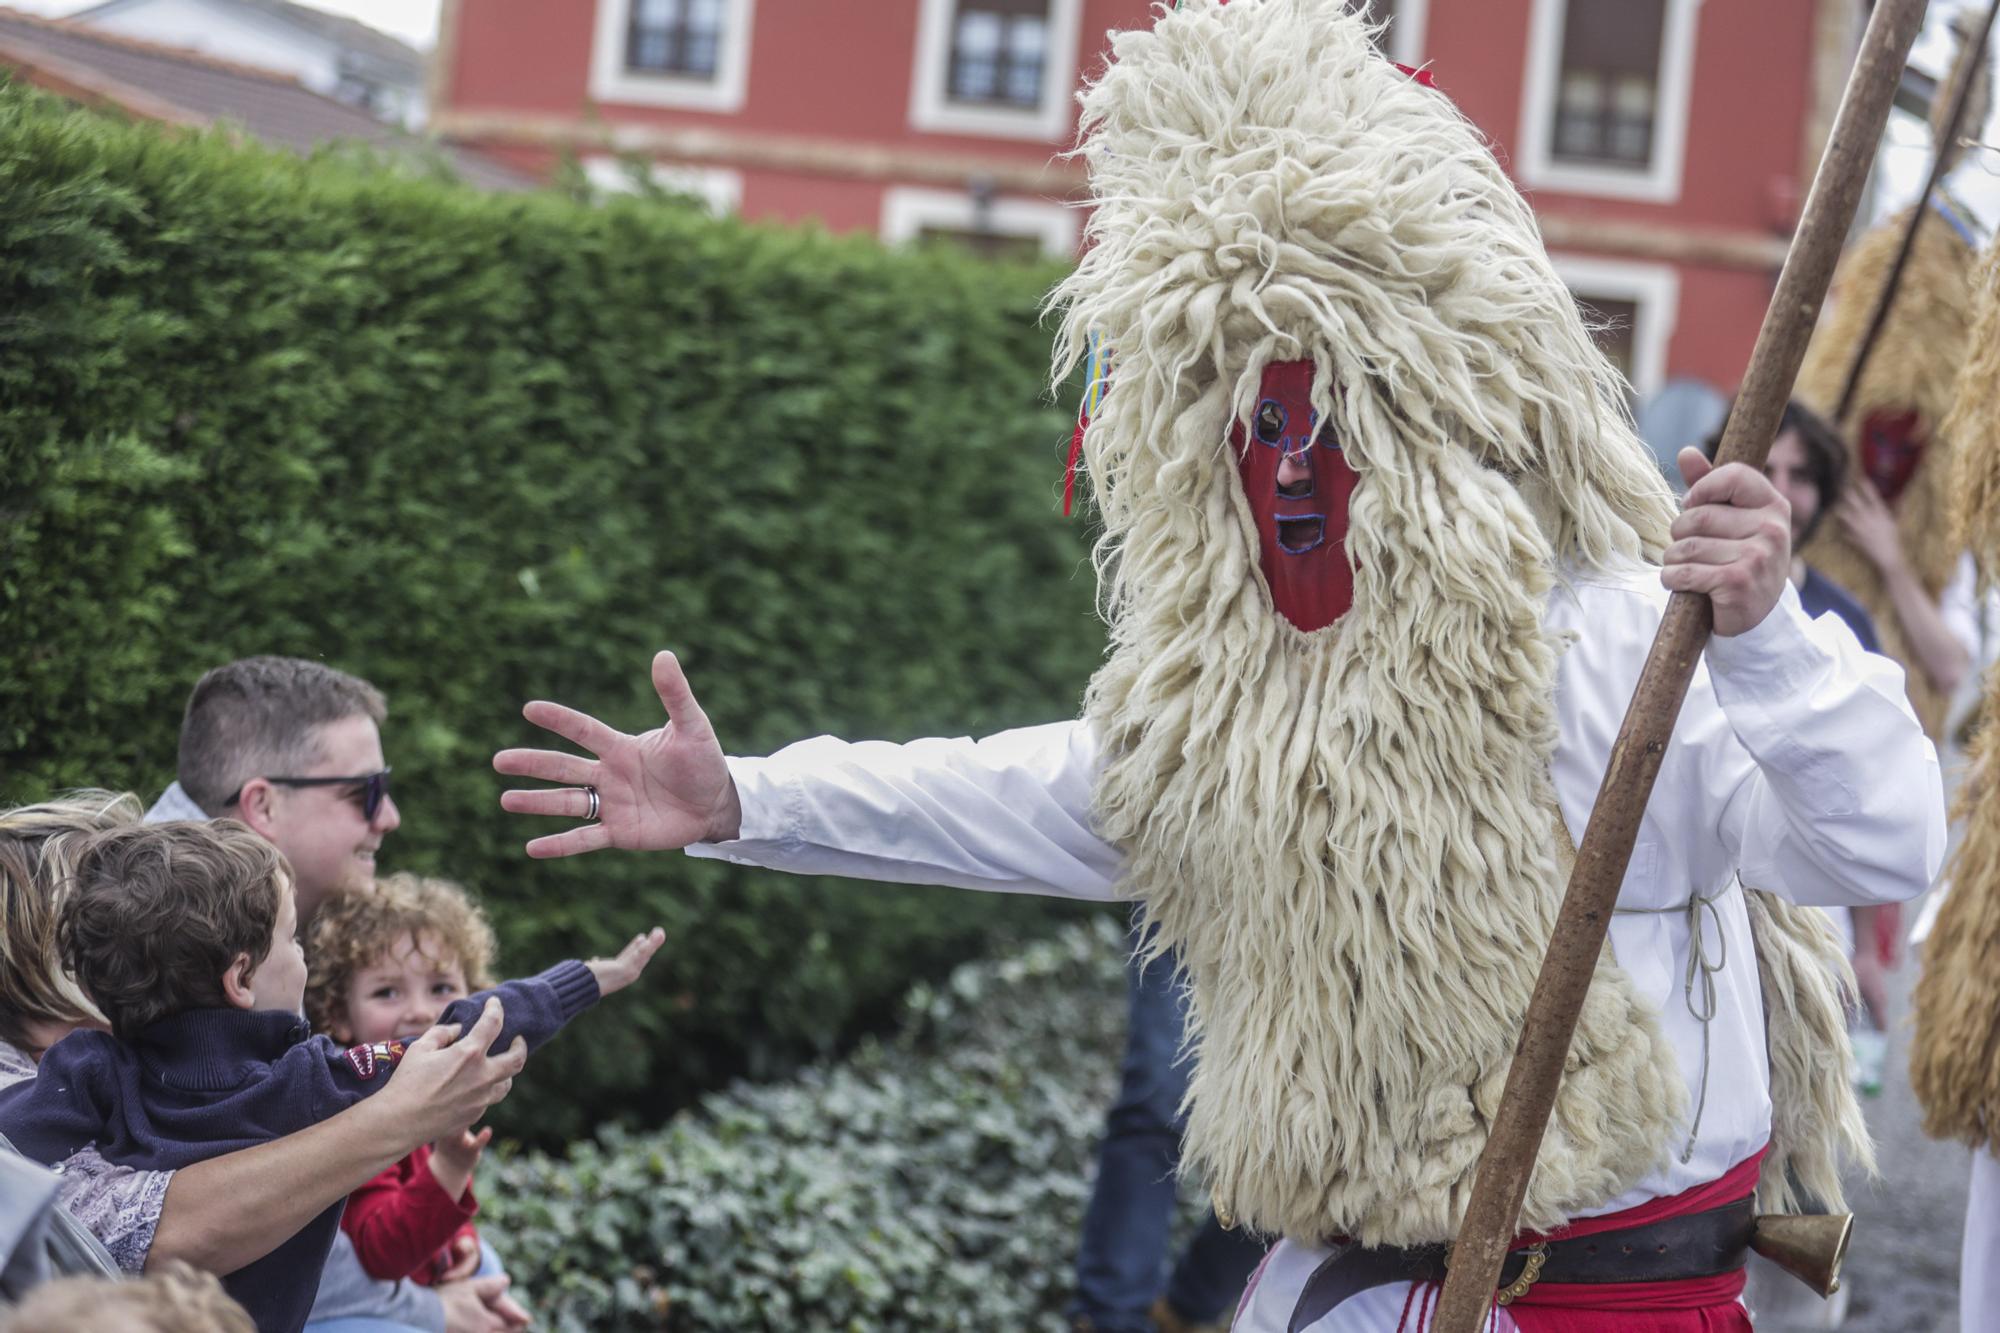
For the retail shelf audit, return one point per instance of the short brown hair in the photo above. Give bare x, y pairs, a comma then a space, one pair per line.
159, 912
1826, 456
172, 1298
37, 848
354, 930
260, 717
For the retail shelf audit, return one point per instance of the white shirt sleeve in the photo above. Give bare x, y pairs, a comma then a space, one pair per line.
1009, 813
1796, 758
1835, 796
1958, 606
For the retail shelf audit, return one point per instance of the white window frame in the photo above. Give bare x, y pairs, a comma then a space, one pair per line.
931, 107
1660, 183
721, 188
907, 210
1655, 292
611, 81
1406, 35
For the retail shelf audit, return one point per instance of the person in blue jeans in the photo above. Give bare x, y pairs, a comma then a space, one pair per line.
1122, 1285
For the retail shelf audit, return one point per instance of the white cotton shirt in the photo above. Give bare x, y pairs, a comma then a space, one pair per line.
1965, 613
1796, 764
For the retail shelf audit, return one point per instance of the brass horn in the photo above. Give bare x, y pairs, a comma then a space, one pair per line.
1810, 1248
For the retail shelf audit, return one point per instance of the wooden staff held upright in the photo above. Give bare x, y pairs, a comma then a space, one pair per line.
1532, 1080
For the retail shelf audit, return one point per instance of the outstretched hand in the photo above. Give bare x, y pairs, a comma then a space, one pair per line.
614, 974
658, 791
454, 1157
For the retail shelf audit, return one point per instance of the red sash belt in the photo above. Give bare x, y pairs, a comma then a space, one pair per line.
1695, 1305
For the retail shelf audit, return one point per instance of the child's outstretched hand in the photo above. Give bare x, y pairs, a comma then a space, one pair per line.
615, 974
454, 1156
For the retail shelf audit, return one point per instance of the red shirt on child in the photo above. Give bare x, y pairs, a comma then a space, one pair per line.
404, 1225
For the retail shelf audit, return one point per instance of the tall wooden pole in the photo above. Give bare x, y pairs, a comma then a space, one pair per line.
1511, 1148
1970, 65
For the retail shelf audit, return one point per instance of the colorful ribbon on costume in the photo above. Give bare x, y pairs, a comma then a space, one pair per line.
1096, 379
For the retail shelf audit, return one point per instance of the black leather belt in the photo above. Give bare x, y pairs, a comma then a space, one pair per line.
1674, 1249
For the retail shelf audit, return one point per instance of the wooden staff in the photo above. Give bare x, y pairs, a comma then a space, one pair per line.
1571, 961
1974, 57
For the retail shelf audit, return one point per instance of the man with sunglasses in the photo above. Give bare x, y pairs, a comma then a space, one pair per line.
293, 749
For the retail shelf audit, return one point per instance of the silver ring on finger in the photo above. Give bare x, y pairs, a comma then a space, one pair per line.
590, 815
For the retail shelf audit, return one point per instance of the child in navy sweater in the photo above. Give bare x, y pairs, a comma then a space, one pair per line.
185, 935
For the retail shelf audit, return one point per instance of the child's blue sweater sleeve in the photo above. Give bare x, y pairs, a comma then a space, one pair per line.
68, 1105
536, 1007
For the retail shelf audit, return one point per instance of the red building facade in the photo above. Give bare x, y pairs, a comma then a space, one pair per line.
1665, 143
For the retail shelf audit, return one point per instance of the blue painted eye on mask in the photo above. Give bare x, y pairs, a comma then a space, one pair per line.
1269, 424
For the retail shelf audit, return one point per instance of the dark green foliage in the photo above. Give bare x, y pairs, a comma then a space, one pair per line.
483, 449
932, 1182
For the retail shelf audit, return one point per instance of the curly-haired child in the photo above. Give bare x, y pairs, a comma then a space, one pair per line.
385, 962
185, 935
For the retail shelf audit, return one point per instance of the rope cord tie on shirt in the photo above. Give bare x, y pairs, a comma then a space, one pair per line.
1700, 976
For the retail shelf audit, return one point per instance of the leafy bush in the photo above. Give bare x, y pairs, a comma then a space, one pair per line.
483, 449
933, 1181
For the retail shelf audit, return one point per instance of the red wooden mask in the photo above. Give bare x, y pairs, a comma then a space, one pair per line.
1892, 444
1301, 515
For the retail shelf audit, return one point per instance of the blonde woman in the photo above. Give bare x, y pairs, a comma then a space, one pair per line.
227, 1212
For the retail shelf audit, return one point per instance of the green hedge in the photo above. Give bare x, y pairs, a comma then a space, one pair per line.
935, 1181
480, 449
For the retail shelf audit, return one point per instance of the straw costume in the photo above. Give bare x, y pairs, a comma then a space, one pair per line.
1895, 428
1955, 1056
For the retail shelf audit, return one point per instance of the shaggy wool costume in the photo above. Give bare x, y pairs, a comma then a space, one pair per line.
1349, 834
1955, 1058
1912, 368
1816, 1119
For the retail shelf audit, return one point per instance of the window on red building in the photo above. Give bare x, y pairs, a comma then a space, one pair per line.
985, 244
1379, 11
998, 51
1402, 32
1631, 308
979, 219
1612, 323
690, 54
681, 37
1607, 93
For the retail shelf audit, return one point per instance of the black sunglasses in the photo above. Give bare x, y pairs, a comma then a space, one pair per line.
374, 789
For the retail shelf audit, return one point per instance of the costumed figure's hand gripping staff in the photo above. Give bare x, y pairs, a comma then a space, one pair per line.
1532, 1080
